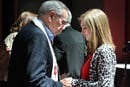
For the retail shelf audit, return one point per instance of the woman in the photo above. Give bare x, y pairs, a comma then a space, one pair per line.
22, 20
99, 68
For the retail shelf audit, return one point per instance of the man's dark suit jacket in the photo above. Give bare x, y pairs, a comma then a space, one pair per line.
69, 47
31, 60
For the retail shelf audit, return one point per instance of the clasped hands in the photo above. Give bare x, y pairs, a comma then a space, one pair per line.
66, 82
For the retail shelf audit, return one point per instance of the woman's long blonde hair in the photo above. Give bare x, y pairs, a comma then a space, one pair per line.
22, 20
96, 20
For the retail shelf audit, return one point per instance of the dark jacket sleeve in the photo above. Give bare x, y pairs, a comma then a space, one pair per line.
38, 63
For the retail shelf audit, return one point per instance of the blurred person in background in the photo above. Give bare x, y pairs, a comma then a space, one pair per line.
24, 18
21, 21
69, 48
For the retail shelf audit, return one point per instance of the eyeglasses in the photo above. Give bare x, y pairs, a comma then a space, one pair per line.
64, 22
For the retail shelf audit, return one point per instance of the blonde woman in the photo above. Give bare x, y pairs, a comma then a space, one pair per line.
99, 68
21, 21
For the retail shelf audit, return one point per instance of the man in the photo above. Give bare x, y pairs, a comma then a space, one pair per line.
33, 62
69, 47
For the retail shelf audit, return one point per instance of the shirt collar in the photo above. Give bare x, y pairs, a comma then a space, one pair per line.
66, 26
49, 33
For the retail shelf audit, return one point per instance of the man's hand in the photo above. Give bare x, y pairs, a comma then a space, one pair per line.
66, 82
